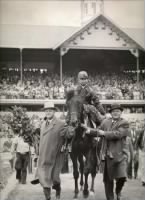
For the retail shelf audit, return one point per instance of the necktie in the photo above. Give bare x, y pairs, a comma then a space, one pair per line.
48, 122
133, 135
113, 122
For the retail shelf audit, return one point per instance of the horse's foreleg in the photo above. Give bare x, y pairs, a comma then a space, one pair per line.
86, 173
93, 175
76, 188
87, 170
81, 161
95, 167
81, 181
86, 191
92, 183
75, 174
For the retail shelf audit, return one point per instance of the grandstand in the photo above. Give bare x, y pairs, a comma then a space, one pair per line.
38, 71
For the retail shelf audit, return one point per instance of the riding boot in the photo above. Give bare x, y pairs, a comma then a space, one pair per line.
47, 193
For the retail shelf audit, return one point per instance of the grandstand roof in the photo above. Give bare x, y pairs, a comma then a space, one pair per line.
52, 37
101, 33
32, 36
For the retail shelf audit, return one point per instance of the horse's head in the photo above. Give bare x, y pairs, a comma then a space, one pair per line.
75, 110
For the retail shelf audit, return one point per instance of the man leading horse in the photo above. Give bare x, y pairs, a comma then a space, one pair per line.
115, 131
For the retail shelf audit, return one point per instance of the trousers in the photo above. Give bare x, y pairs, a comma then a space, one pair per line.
109, 185
21, 165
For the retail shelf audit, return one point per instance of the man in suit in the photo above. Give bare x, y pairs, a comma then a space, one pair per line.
134, 163
51, 157
114, 151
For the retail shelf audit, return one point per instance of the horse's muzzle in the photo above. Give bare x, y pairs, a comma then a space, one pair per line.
74, 123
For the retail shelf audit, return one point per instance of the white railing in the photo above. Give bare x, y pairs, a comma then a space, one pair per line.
62, 102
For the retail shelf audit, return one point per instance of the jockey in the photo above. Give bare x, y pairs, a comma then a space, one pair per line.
92, 105
87, 93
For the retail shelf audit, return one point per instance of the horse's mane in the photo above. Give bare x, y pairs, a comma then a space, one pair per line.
73, 94
69, 94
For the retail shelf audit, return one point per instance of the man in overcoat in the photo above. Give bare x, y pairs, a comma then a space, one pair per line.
115, 132
114, 151
51, 157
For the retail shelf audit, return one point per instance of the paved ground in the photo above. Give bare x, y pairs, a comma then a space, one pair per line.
133, 190
5, 169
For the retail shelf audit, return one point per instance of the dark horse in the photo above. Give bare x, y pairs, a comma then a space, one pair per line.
84, 147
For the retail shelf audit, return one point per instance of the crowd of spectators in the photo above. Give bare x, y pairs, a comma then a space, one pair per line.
37, 85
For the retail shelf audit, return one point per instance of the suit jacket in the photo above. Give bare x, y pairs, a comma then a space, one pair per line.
134, 138
51, 141
141, 140
115, 147
89, 97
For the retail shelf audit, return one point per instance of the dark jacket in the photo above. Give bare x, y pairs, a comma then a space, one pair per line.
134, 138
89, 97
115, 147
141, 140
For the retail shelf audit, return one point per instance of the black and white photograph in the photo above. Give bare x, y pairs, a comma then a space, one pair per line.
72, 100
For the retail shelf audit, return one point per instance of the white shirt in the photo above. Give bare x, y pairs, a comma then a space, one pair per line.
20, 145
48, 121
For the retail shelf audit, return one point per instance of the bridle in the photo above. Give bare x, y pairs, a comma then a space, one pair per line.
74, 119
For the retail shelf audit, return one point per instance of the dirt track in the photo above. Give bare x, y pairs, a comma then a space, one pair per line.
133, 190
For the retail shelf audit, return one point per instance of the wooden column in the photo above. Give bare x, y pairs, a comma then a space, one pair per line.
137, 68
21, 65
61, 67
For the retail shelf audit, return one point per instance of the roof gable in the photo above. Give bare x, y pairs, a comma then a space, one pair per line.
100, 33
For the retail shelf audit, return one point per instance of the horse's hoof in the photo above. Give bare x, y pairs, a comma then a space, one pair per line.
75, 197
58, 197
92, 193
92, 190
85, 193
81, 188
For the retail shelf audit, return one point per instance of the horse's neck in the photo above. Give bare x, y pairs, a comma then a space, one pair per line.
79, 133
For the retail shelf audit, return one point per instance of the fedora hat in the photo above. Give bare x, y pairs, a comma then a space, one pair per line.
49, 105
115, 106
